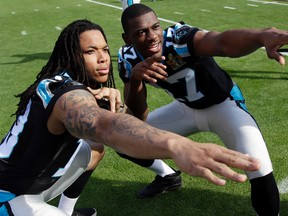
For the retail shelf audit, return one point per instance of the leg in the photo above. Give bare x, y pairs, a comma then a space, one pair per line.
70, 196
78, 166
33, 205
240, 132
167, 179
261, 188
36, 205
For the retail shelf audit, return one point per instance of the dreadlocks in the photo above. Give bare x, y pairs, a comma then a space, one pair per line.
67, 56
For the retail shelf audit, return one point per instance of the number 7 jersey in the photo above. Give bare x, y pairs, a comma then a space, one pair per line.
198, 82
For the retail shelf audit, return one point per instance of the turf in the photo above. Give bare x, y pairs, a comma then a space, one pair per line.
28, 32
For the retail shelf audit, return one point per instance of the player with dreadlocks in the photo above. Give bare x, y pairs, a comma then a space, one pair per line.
67, 59
54, 143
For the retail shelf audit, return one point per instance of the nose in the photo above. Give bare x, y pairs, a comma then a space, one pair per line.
151, 34
102, 57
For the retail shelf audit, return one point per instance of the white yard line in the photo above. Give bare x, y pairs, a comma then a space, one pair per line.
231, 8
120, 8
173, 22
268, 2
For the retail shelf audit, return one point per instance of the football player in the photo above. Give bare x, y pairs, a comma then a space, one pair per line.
180, 60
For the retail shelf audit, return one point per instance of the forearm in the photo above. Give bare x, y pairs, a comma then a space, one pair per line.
240, 42
82, 118
236, 43
135, 138
231, 43
135, 95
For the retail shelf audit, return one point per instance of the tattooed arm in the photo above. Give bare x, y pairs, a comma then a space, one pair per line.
77, 112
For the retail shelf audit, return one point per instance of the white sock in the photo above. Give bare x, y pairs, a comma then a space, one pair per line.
67, 204
161, 168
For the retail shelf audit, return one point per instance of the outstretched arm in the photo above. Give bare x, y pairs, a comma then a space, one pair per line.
240, 42
77, 112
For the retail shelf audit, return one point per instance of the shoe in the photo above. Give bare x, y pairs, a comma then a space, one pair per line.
84, 212
161, 185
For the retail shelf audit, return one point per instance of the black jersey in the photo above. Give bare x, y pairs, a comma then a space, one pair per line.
31, 158
196, 81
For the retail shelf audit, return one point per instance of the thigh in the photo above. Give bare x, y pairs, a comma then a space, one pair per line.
239, 131
77, 166
175, 117
33, 205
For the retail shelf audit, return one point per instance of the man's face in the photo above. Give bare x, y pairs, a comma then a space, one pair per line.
146, 34
96, 55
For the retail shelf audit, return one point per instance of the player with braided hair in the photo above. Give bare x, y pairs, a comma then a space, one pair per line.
68, 55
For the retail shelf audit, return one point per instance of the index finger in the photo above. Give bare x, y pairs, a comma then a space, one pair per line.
115, 101
153, 59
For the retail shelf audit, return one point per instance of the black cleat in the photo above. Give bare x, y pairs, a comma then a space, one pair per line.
161, 185
85, 212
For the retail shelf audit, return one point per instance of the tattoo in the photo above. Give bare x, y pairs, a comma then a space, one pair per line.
131, 127
81, 113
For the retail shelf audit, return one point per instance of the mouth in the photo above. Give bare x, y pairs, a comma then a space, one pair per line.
103, 71
154, 48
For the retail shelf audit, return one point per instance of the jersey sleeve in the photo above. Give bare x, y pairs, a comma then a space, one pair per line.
50, 90
184, 34
124, 66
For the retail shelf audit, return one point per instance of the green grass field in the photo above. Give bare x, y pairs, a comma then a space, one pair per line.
28, 32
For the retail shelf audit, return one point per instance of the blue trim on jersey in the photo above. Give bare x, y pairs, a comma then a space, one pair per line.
3, 211
44, 92
43, 88
236, 93
183, 51
238, 97
6, 196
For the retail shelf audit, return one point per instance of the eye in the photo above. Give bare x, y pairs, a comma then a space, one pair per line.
89, 52
106, 50
156, 26
141, 32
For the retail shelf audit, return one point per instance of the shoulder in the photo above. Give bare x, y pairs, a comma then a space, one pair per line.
127, 52
55, 87
128, 57
180, 33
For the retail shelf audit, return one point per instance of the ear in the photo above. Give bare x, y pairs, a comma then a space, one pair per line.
126, 39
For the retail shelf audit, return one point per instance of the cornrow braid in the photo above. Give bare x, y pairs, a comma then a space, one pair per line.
67, 56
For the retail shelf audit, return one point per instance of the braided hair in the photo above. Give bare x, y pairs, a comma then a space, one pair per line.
67, 56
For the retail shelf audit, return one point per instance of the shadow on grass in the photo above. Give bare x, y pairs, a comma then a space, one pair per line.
117, 198
259, 75
25, 58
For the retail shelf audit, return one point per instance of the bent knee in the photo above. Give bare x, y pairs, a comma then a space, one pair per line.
96, 157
